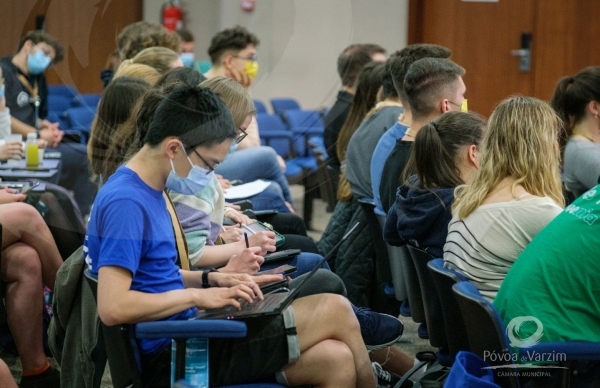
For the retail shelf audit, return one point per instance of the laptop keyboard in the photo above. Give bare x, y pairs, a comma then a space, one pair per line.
270, 300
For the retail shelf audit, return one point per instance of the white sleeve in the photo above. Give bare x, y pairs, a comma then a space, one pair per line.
5, 123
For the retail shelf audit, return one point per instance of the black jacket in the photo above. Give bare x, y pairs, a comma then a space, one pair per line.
333, 125
420, 218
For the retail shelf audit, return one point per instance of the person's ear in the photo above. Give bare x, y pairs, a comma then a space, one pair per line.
173, 147
473, 156
594, 108
445, 106
228, 61
28, 45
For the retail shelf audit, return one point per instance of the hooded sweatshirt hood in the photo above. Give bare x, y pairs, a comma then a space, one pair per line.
420, 218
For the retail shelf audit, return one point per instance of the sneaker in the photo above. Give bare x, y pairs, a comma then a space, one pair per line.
383, 378
48, 379
378, 330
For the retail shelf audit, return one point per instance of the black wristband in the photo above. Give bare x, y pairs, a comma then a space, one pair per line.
205, 283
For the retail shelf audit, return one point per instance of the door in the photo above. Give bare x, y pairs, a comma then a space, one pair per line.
481, 36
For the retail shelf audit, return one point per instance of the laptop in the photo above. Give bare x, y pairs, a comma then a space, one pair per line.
272, 304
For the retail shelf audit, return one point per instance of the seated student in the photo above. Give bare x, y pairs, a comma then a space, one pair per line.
233, 54
364, 140
27, 98
515, 193
138, 36
398, 67
30, 260
555, 280
445, 154
433, 86
118, 100
349, 64
368, 85
138, 279
577, 102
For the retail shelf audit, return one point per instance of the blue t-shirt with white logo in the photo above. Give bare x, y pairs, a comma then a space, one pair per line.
130, 227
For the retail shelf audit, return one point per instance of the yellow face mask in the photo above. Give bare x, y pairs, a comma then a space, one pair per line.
463, 106
251, 69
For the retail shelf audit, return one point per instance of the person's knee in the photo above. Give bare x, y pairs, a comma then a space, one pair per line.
22, 264
340, 361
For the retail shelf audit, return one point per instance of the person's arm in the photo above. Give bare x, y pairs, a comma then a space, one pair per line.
17, 126
586, 166
253, 138
390, 229
118, 304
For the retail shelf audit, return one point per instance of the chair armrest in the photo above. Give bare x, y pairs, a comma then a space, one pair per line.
218, 328
276, 134
572, 350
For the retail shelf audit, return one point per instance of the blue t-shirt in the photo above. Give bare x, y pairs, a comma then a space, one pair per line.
382, 151
130, 227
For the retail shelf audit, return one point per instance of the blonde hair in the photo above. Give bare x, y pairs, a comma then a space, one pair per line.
136, 70
520, 142
234, 95
160, 58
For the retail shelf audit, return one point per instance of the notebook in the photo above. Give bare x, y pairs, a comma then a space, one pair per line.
272, 304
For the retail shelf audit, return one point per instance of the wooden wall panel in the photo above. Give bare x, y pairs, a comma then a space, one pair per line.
86, 28
481, 36
565, 42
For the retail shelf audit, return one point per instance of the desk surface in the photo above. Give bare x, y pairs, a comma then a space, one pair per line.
46, 163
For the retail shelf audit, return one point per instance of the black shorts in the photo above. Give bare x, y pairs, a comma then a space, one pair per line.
255, 358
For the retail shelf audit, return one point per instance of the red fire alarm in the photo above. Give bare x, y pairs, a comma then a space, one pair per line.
248, 5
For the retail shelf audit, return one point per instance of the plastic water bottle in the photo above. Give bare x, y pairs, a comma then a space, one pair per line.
31, 147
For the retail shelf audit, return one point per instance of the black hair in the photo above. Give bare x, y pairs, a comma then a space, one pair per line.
434, 153
236, 38
39, 36
185, 35
389, 90
426, 80
183, 75
195, 115
572, 96
351, 61
400, 62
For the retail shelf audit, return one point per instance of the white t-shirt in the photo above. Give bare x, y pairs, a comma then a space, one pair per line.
484, 245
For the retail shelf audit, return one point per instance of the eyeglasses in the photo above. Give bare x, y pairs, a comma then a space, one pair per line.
252, 58
239, 139
210, 168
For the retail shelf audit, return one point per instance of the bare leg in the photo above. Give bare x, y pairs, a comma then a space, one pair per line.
21, 222
22, 271
6, 379
393, 360
326, 317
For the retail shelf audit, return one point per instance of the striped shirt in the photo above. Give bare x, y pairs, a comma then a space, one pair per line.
484, 245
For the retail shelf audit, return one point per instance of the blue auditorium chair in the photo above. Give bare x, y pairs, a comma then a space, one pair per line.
87, 100
68, 91
260, 106
280, 105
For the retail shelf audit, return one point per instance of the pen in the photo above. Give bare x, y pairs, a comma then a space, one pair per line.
246, 238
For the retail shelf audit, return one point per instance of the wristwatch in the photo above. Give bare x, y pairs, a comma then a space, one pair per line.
205, 283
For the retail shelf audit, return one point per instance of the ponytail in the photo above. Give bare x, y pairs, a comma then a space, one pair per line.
435, 152
572, 96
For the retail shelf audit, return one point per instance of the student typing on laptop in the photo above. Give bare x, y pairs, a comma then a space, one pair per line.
130, 245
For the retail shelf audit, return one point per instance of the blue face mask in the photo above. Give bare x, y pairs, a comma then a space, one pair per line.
187, 59
232, 149
198, 178
37, 62
2, 89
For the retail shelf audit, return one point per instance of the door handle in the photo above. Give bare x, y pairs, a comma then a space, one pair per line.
524, 53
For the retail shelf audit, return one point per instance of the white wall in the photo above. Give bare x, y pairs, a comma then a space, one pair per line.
300, 39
